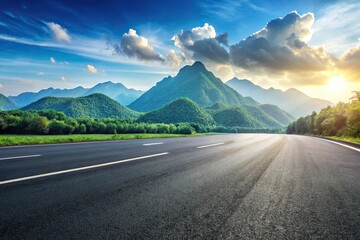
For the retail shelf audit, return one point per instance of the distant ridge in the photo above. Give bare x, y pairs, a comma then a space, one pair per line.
194, 82
116, 91
6, 103
292, 101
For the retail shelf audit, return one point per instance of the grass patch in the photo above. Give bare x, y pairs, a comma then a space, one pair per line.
11, 140
347, 139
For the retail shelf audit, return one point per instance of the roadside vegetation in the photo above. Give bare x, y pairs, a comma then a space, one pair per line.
341, 121
11, 140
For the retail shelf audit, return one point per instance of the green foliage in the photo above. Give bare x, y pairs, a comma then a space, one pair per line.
180, 110
340, 120
92, 106
244, 117
39, 125
8, 140
356, 96
34, 122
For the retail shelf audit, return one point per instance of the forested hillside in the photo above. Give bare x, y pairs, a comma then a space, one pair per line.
92, 106
194, 82
180, 110
340, 120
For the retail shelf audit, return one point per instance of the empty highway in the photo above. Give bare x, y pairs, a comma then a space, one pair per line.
234, 186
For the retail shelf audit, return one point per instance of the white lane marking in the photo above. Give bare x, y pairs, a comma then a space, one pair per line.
17, 157
341, 144
211, 145
80, 168
150, 144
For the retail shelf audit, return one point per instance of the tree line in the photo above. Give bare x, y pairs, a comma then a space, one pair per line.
340, 120
51, 122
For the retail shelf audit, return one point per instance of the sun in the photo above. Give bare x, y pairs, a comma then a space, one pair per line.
336, 84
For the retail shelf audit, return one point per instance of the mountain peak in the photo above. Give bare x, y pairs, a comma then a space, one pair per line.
198, 65
195, 82
295, 92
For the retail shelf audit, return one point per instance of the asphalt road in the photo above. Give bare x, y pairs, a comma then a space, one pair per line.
239, 186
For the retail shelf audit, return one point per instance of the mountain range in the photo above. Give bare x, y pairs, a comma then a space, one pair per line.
92, 106
194, 82
116, 91
185, 110
292, 100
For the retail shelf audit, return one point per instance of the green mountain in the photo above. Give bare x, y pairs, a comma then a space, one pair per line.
92, 106
245, 117
180, 110
278, 114
194, 82
6, 103
116, 91
217, 106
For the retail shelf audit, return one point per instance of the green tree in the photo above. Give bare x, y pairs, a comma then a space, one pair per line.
111, 128
57, 127
356, 96
39, 125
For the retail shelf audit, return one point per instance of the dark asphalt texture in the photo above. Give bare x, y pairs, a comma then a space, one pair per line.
252, 186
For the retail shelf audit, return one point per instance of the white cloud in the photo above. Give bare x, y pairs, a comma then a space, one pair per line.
282, 46
91, 69
62, 79
58, 32
1, 86
41, 74
52, 60
133, 45
202, 43
187, 38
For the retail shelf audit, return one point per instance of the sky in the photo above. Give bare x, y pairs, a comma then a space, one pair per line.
311, 45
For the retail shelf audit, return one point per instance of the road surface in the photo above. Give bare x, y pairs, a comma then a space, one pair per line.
236, 186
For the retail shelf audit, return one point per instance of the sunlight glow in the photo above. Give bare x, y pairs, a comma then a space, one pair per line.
336, 84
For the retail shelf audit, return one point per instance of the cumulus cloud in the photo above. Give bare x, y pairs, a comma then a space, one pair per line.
282, 45
133, 45
174, 59
58, 32
202, 43
91, 69
351, 58
350, 62
52, 60
62, 79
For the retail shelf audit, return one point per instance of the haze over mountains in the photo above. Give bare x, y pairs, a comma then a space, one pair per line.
116, 91
292, 100
6, 103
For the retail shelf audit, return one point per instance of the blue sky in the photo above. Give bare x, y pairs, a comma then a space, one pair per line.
65, 44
